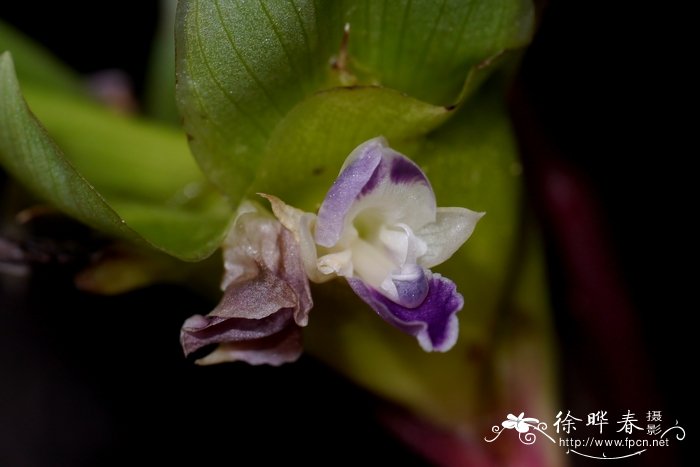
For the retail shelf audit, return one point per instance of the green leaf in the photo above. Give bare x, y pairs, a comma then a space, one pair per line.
241, 66
309, 145
37, 66
133, 169
120, 156
246, 70
427, 48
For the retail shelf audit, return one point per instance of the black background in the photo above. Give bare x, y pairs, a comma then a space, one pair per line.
105, 383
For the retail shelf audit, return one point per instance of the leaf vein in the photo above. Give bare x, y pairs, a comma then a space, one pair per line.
429, 41
278, 35
218, 84
242, 60
402, 34
304, 33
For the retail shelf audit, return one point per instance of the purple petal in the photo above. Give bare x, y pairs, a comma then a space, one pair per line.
259, 243
255, 299
250, 310
354, 177
434, 322
414, 292
291, 270
283, 347
266, 299
405, 171
375, 178
221, 330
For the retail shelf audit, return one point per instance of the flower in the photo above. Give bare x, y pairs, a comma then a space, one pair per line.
522, 425
380, 228
266, 297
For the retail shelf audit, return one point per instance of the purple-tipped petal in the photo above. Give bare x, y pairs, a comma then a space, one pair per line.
434, 322
375, 179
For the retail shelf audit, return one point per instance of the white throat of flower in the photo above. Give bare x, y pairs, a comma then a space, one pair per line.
377, 253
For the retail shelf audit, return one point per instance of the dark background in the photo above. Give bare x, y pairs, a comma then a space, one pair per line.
599, 97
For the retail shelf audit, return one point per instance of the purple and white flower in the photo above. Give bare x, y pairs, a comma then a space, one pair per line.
379, 227
266, 296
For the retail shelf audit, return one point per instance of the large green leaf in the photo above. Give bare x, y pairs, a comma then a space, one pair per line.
426, 48
141, 186
247, 69
240, 67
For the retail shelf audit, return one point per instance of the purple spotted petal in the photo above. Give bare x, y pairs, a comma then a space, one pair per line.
433, 322
375, 178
